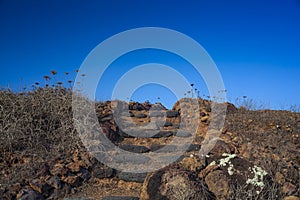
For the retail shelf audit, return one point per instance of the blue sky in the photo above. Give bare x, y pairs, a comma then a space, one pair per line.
255, 44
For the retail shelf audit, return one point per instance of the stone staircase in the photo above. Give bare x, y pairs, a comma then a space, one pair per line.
145, 130
157, 135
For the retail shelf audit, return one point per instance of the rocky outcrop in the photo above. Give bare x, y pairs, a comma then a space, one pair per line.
234, 162
173, 182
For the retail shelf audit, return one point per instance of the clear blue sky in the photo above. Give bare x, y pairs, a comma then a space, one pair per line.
255, 44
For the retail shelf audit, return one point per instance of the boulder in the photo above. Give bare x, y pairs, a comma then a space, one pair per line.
120, 198
218, 183
173, 182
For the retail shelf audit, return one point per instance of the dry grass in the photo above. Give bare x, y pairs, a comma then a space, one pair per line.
37, 123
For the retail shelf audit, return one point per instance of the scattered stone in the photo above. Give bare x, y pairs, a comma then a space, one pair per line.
59, 193
279, 178
74, 166
44, 170
29, 194
15, 187
288, 188
40, 186
59, 169
73, 180
55, 182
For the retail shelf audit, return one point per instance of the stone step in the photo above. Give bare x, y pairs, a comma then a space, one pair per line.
173, 148
151, 133
134, 148
170, 158
172, 113
164, 133
131, 158
163, 148
167, 124
168, 113
78, 198
120, 198
140, 115
132, 177
194, 147
183, 133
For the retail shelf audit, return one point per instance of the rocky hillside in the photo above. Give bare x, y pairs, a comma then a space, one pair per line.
256, 156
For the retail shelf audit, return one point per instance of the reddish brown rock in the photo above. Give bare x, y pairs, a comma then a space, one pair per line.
279, 178
74, 166
207, 170
221, 147
55, 182
288, 188
29, 194
44, 170
204, 119
192, 163
173, 182
40, 186
59, 169
73, 180
218, 183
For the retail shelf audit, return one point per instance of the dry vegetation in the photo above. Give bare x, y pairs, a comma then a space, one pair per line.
37, 126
